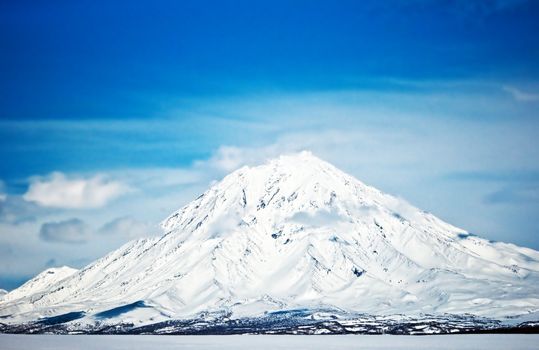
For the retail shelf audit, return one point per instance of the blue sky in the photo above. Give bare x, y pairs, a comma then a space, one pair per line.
114, 114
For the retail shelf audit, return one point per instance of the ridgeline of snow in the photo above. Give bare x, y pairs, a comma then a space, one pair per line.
293, 233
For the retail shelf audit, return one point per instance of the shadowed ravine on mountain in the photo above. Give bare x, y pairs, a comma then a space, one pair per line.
291, 246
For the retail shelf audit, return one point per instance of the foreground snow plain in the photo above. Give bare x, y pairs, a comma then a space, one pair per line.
282, 342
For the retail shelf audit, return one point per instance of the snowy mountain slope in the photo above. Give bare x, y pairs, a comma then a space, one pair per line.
22, 298
293, 233
41, 282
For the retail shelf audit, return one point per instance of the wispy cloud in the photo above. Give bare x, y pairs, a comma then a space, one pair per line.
58, 191
503, 176
128, 227
3, 194
520, 95
76, 230
14, 210
514, 194
67, 231
511, 187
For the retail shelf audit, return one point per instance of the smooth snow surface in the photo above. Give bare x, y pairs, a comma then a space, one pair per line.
293, 233
271, 342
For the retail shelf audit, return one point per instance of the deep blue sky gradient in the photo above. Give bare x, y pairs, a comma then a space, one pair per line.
121, 59
98, 60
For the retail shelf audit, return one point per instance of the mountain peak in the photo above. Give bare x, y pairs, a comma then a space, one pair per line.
302, 162
283, 186
302, 157
295, 232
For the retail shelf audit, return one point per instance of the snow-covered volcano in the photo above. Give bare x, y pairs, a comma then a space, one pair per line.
293, 233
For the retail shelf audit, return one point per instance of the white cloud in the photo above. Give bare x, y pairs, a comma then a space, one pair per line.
520, 95
223, 225
128, 227
229, 158
3, 195
58, 191
157, 178
318, 218
402, 208
68, 231
14, 210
